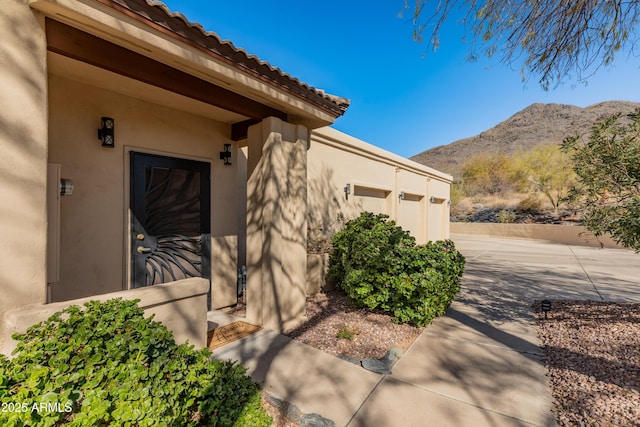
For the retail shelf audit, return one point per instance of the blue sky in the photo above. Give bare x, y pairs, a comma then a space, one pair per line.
404, 97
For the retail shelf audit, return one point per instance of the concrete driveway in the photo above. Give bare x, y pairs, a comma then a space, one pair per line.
481, 363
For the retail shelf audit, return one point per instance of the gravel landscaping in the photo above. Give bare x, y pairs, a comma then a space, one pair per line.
593, 360
592, 352
337, 328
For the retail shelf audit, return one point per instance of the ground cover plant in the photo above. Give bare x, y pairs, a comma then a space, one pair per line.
379, 266
105, 364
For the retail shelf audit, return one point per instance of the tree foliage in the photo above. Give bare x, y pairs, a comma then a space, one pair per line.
485, 174
608, 170
552, 39
548, 170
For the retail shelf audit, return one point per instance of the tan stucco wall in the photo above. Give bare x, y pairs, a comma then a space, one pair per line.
566, 234
181, 306
23, 162
438, 210
94, 223
276, 221
376, 178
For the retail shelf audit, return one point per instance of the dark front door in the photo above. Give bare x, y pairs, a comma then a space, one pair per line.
170, 230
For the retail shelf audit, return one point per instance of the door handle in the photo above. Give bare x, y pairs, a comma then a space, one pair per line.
143, 250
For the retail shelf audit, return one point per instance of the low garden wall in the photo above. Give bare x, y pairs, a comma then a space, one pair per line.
566, 234
181, 306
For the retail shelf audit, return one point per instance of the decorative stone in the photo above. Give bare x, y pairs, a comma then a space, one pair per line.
385, 363
396, 351
274, 401
315, 420
350, 359
290, 412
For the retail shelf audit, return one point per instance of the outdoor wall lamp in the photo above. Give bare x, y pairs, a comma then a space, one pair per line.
432, 199
225, 154
546, 307
347, 191
401, 195
107, 132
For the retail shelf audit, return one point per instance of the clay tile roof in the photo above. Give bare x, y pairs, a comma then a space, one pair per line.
158, 14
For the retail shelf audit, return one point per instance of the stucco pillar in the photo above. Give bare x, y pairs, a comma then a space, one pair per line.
276, 225
23, 163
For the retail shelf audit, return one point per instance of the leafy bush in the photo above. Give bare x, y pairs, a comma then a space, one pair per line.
506, 217
105, 364
379, 266
530, 204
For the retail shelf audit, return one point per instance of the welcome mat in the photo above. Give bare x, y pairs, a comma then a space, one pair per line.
230, 333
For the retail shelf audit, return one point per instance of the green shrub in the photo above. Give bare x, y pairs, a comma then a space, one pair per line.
506, 217
345, 333
104, 364
530, 204
379, 266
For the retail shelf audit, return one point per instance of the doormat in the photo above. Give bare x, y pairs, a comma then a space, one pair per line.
230, 333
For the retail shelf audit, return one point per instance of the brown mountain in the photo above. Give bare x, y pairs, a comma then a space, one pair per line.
536, 124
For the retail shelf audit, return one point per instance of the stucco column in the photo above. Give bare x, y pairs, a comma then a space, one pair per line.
276, 225
23, 163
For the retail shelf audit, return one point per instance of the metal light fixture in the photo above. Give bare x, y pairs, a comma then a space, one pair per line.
401, 195
432, 199
225, 154
546, 307
347, 191
107, 132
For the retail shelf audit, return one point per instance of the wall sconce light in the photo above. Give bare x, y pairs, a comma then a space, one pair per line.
107, 132
401, 195
66, 187
432, 199
226, 154
347, 191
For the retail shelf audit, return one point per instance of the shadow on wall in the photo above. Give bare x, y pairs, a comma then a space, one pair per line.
327, 208
276, 235
23, 162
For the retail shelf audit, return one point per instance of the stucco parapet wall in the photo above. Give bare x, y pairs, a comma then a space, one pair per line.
114, 21
553, 233
180, 305
342, 141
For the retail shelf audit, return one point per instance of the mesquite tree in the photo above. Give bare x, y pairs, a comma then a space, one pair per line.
608, 170
548, 38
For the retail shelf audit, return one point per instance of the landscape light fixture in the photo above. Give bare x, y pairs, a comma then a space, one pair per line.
546, 307
107, 132
347, 191
225, 154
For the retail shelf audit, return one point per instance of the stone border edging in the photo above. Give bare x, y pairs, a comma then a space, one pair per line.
293, 414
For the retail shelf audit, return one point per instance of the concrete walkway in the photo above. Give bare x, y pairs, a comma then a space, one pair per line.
479, 365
